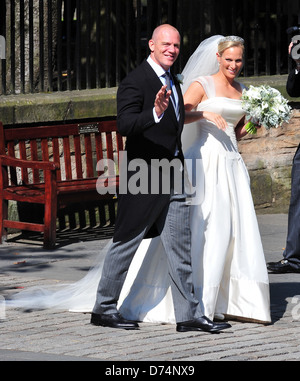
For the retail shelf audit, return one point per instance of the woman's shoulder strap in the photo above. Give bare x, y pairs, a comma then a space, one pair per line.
208, 85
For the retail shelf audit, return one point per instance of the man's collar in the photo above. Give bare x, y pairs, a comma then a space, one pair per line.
156, 67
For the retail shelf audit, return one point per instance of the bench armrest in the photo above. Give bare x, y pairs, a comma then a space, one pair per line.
14, 162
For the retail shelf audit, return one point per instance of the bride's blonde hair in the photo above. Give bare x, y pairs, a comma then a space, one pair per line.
229, 42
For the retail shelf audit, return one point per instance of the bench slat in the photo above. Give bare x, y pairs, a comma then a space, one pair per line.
99, 150
78, 160
34, 156
67, 157
56, 156
89, 156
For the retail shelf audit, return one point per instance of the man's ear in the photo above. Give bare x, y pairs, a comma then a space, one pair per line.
151, 45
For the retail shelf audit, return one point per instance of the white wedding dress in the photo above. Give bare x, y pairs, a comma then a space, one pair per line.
229, 269
230, 274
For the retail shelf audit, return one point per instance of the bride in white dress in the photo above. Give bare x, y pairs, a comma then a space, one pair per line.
230, 273
229, 270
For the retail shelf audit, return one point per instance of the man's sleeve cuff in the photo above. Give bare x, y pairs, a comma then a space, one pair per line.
156, 118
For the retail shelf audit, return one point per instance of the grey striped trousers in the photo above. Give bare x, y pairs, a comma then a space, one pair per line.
175, 236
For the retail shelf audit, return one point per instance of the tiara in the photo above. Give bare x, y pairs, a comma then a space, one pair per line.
232, 38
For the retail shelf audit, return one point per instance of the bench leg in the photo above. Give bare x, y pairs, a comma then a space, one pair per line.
3, 216
50, 220
50, 225
50, 213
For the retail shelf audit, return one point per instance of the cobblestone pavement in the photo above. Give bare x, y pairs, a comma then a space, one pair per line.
59, 335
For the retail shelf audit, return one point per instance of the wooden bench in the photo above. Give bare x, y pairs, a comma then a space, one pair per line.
54, 165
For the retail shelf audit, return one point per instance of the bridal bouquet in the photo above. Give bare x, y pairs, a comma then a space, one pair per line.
265, 106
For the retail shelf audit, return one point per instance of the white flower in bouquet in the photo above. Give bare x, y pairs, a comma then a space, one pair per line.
264, 106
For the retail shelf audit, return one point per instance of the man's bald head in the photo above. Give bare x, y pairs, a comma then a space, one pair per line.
161, 29
165, 45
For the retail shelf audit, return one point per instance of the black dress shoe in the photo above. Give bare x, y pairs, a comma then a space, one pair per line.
282, 267
115, 320
201, 324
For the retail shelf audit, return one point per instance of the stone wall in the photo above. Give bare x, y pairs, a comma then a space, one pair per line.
268, 156
64, 106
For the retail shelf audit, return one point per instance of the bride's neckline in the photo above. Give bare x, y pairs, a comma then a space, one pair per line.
231, 99
222, 96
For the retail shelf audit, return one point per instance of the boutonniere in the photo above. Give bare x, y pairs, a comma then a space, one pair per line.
180, 78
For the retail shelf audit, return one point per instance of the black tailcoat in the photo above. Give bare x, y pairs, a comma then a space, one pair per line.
146, 140
293, 84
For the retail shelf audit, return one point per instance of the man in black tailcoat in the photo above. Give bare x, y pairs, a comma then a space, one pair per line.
151, 116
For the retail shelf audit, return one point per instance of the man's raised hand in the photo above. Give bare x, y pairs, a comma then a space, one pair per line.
161, 102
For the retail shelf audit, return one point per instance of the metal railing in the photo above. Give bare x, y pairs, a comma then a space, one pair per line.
57, 45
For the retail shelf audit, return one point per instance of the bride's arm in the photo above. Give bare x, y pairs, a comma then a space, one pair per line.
194, 95
193, 116
240, 129
192, 98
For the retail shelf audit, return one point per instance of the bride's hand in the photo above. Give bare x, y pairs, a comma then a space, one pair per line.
217, 119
